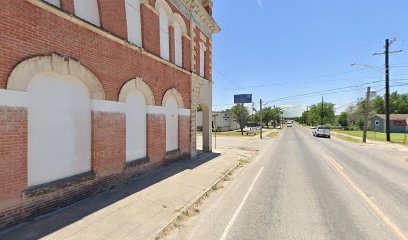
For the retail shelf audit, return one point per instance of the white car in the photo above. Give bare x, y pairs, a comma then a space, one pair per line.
321, 131
289, 124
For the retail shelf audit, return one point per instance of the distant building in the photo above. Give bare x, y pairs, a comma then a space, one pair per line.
398, 123
222, 120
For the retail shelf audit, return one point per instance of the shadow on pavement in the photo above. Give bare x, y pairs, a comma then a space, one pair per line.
44, 225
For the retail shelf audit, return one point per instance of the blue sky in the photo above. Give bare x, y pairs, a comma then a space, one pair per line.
278, 49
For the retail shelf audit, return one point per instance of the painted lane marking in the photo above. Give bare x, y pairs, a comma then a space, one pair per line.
236, 213
386, 220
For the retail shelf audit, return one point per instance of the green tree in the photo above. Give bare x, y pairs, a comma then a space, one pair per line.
315, 114
343, 120
398, 103
235, 112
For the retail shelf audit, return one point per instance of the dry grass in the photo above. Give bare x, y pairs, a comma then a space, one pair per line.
272, 135
194, 209
346, 138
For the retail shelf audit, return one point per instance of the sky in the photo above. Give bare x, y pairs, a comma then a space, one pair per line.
278, 50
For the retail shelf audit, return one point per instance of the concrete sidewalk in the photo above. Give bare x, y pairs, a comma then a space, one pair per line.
141, 208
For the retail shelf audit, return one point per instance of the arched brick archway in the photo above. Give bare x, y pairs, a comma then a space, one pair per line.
25, 71
137, 95
59, 115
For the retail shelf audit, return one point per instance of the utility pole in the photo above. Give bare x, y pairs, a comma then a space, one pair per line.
387, 90
367, 110
260, 117
242, 119
387, 85
307, 115
322, 112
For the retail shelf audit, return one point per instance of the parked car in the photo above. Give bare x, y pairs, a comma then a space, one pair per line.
321, 131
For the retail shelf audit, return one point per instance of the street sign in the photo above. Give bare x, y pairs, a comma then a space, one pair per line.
243, 98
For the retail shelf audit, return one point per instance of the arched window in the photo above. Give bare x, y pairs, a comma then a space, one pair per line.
56, 3
135, 126
134, 28
178, 45
171, 124
59, 128
137, 95
87, 10
180, 29
164, 35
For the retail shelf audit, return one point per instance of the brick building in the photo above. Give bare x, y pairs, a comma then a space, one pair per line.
93, 92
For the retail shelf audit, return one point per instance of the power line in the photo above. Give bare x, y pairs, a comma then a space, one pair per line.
328, 91
312, 94
226, 78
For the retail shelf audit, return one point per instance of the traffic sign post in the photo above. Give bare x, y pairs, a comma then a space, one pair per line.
241, 99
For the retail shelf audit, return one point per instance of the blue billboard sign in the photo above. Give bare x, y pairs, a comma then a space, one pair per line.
243, 98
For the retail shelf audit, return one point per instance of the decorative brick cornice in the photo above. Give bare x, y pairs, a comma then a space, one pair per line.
198, 9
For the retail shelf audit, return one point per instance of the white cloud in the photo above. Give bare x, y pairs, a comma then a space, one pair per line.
260, 4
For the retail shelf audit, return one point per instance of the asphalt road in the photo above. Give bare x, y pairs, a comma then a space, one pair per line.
302, 187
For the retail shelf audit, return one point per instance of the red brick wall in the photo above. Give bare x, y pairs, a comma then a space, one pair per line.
186, 53
197, 48
172, 45
42, 33
13, 154
68, 5
112, 14
150, 30
184, 134
156, 137
207, 61
108, 142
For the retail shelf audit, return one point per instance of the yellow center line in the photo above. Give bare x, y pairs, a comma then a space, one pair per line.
386, 220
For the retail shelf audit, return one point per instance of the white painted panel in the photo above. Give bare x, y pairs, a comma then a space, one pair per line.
59, 129
135, 126
164, 35
178, 45
134, 27
184, 112
202, 57
13, 98
87, 10
56, 3
171, 124
107, 106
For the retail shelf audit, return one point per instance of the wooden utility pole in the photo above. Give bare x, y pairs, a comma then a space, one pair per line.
260, 117
242, 119
387, 85
367, 110
387, 90
322, 112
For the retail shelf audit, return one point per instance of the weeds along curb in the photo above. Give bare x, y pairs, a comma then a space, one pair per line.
191, 208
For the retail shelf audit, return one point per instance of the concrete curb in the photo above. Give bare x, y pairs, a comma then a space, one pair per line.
207, 190
197, 199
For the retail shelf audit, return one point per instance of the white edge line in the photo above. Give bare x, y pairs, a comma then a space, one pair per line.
234, 217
